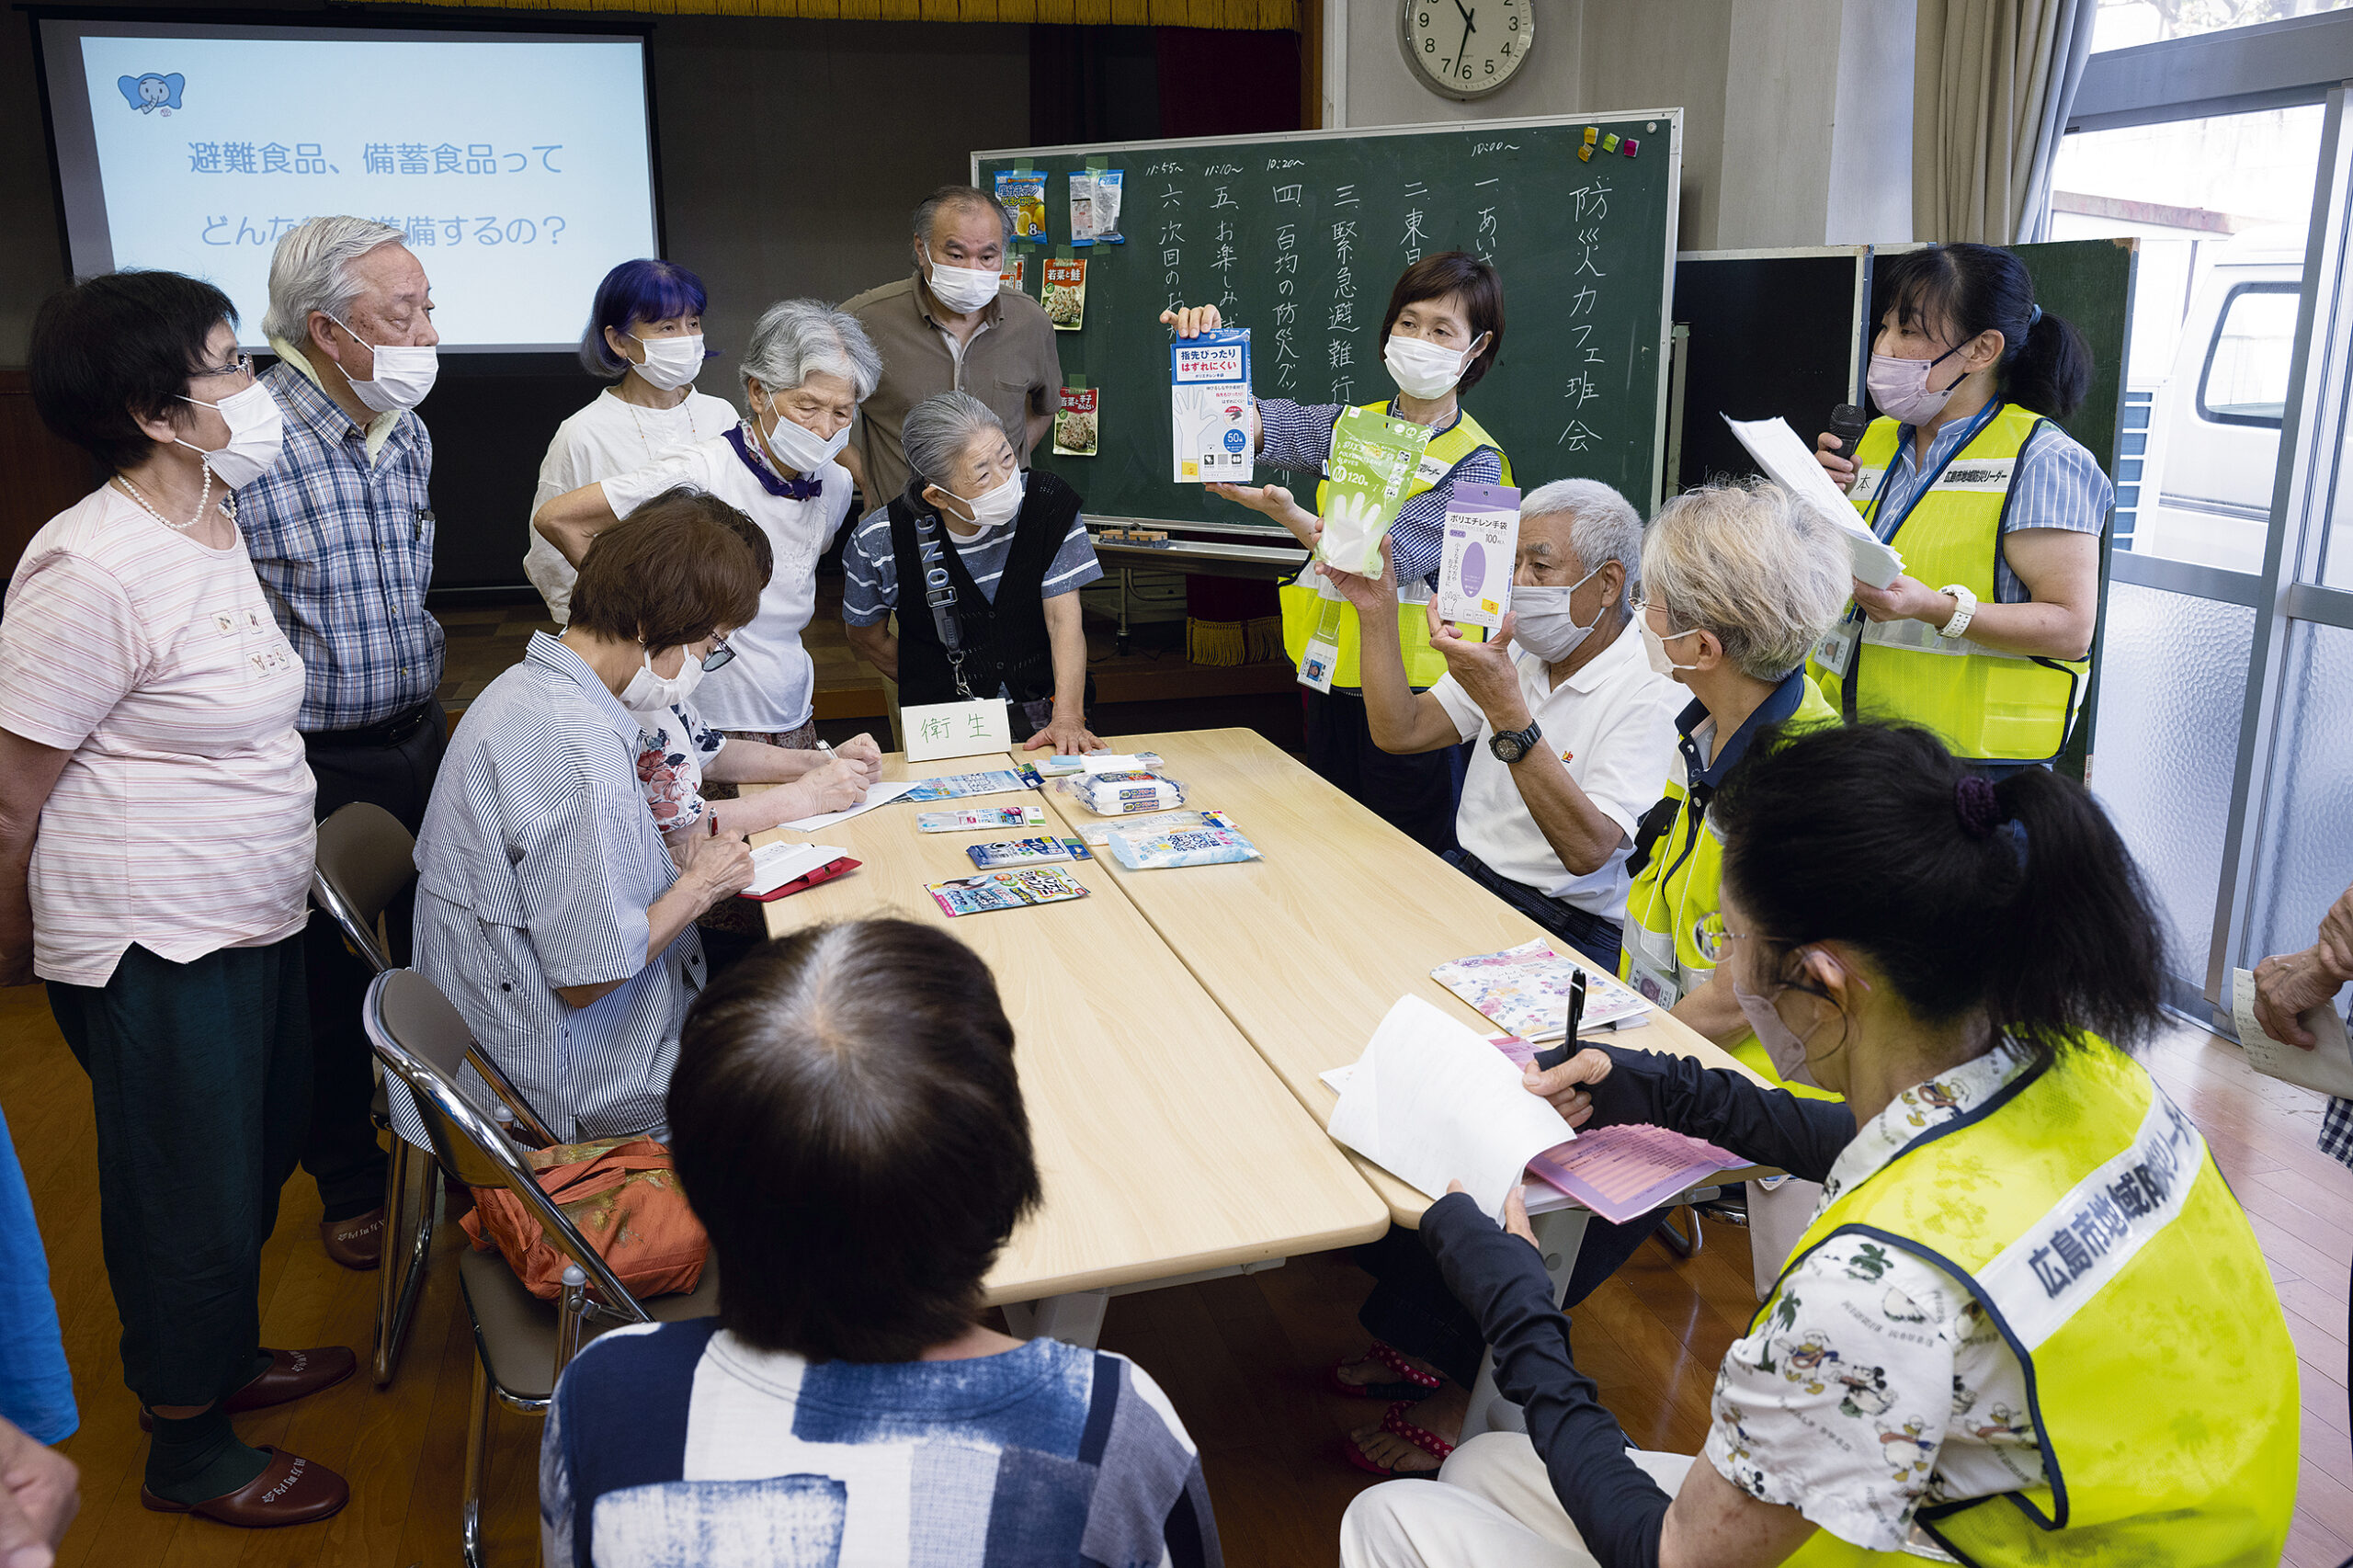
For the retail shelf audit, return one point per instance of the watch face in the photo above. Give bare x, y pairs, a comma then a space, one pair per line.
1509, 747
1466, 48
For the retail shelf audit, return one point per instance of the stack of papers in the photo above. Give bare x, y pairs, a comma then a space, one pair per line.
1526, 990
1787, 463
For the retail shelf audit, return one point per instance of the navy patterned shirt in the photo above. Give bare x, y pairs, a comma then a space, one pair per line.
341, 537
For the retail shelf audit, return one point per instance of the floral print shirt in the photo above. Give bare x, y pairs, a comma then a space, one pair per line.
673, 745
1874, 1382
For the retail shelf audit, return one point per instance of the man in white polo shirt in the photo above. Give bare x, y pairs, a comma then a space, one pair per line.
1575, 729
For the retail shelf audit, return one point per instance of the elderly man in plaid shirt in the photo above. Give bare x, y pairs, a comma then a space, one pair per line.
341, 534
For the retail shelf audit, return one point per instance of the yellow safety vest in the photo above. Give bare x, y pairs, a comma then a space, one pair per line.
1676, 892
1303, 604
2086, 1216
1986, 704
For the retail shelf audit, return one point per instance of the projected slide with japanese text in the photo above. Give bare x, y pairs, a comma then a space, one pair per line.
517, 171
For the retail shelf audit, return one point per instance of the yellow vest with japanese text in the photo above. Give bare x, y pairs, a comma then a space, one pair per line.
1677, 889
2081, 1208
1304, 606
1986, 704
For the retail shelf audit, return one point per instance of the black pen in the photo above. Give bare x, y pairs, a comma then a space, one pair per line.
1548, 1060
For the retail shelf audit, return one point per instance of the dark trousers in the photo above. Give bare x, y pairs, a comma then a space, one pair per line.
1411, 1308
200, 1074
340, 1150
1415, 795
1590, 934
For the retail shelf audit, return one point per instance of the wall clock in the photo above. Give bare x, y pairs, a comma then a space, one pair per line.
1466, 48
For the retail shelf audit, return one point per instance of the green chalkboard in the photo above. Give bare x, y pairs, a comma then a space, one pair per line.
1302, 237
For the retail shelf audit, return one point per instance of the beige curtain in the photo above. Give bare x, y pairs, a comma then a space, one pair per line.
1992, 82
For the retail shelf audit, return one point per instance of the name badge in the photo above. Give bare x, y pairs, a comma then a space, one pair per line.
1658, 986
1835, 651
1432, 471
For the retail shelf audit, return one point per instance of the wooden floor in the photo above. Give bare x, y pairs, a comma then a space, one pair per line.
1241, 1358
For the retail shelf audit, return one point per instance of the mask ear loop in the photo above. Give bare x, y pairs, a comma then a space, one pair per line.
1846, 1028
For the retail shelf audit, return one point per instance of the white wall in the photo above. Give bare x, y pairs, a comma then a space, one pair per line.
1797, 124
1383, 90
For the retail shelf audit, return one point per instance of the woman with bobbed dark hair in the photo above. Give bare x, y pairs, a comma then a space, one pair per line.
1441, 334
549, 909
156, 849
2027, 1323
1968, 474
850, 1128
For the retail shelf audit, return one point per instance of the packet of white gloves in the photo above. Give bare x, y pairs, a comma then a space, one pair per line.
1373, 457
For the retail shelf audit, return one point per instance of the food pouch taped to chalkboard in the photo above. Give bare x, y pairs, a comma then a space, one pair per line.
1109, 186
1373, 457
1075, 428
1065, 295
1475, 566
1022, 193
1017, 271
1210, 398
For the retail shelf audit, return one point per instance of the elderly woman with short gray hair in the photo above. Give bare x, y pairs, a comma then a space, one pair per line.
995, 557
805, 371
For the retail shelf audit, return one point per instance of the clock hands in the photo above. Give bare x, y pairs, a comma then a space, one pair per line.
1462, 51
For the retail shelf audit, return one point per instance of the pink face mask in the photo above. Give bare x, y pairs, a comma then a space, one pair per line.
1900, 387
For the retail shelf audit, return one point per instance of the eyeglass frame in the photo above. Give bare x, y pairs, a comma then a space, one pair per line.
241, 366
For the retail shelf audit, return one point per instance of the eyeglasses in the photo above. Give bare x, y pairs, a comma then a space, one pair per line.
241, 366
1713, 940
720, 657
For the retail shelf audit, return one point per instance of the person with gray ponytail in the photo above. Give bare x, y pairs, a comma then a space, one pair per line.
996, 557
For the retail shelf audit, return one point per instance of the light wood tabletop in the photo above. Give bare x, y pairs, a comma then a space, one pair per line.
1308, 948
1165, 1145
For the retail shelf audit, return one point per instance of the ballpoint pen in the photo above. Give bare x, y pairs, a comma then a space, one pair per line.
1548, 1060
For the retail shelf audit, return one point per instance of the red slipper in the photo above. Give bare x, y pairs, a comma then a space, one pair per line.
1413, 1384
1396, 1424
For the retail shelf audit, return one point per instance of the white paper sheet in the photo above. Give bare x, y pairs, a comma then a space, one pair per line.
2327, 1068
881, 794
1787, 463
1431, 1102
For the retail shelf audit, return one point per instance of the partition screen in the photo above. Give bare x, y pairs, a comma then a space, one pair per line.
518, 166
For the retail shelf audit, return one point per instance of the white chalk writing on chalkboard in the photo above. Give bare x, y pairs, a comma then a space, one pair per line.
1286, 163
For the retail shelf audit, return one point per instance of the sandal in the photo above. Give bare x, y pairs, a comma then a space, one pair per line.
1413, 1383
1422, 1437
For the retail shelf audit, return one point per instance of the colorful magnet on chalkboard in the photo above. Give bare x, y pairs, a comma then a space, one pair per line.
1585, 150
1631, 146
1609, 142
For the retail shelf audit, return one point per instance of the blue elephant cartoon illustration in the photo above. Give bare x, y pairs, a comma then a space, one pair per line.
149, 93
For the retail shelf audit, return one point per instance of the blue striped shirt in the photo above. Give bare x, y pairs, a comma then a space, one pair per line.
678, 1443
1298, 437
2056, 483
342, 539
537, 864
870, 569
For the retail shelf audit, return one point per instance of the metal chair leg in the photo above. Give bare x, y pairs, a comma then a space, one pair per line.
1678, 1243
477, 1462
399, 1287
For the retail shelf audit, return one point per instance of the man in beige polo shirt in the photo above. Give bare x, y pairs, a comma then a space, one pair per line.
948, 328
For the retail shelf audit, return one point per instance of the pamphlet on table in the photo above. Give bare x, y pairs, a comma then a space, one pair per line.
1526, 990
1005, 890
956, 785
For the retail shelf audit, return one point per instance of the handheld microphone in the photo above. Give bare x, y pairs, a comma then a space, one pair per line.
1849, 422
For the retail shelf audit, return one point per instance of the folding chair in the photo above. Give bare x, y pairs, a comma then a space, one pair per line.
365, 859
522, 1343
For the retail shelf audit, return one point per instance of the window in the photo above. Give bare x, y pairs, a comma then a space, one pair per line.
2122, 24
2246, 379
2203, 179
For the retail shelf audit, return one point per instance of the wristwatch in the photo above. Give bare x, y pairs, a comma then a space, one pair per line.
1510, 745
1959, 625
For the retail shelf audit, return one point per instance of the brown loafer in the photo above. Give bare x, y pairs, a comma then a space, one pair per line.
356, 1242
290, 1375
288, 1492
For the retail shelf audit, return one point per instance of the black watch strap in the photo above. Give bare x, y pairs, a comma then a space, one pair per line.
1511, 745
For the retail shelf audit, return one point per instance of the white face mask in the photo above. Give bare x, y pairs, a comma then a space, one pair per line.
404, 375
961, 288
1780, 1041
256, 434
798, 446
670, 362
996, 508
1542, 622
1900, 387
647, 692
1425, 370
1654, 647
